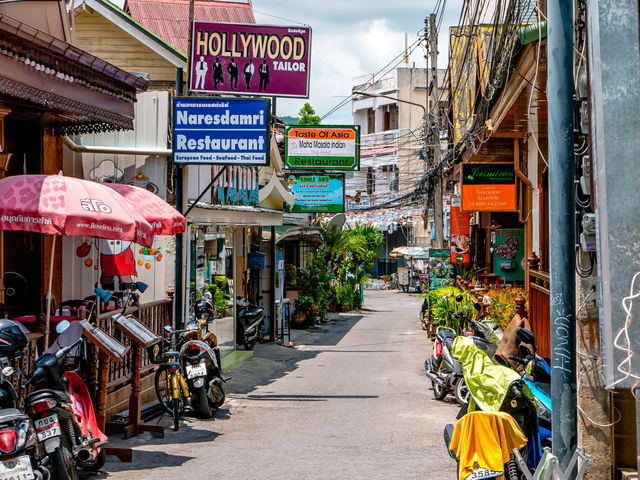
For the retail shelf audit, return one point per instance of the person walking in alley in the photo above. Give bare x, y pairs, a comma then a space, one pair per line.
249, 70
201, 72
217, 73
232, 70
263, 71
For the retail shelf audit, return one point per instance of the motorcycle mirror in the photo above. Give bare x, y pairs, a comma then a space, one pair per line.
7, 371
477, 307
62, 326
168, 329
529, 367
526, 336
459, 298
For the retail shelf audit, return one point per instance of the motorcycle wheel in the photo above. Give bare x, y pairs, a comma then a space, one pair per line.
204, 409
99, 463
250, 344
160, 384
438, 392
220, 395
63, 462
461, 391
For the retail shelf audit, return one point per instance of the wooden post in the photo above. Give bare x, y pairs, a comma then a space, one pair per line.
520, 306
103, 378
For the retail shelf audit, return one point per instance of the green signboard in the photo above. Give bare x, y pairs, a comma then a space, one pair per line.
315, 147
440, 268
508, 253
317, 193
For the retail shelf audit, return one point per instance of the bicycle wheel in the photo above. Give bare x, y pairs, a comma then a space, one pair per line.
164, 395
176, 414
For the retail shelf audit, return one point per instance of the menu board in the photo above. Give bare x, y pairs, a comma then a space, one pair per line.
135, 330
440, 268
459, 237
508, 253
104, 342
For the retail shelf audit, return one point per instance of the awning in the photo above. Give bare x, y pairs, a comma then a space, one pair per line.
234, 215
79, 92
290, 232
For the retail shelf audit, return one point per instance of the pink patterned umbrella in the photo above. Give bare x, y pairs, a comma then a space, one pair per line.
62, 205
164, 219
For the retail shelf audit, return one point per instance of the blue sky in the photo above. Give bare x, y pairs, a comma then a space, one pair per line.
352, 38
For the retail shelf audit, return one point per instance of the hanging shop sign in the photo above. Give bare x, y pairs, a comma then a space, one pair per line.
440, 268
508, 253
317, 193
220, 131
459, 238
488, 187
244, 59
313, 147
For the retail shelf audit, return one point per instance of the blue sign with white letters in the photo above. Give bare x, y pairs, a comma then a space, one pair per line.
221, 131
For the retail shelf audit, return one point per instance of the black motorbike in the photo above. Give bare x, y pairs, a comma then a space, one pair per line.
249, 318
21, 456
201, 364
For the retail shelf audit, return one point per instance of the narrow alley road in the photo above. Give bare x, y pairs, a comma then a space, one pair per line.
350, 402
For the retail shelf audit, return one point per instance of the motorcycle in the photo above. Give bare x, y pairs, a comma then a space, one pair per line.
497, 395
249, 319
21, 455
536, 375
201, 363
63, 414
443, 369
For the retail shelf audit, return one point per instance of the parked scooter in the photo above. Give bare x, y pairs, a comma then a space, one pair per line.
493, 389
537, 376
64, 415
248, 320
443, 369
21, 457
201, 364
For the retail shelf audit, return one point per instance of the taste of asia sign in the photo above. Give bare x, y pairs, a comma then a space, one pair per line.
313, 147
488, 187
245, 59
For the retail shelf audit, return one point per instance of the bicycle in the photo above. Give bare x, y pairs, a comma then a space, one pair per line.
170, 385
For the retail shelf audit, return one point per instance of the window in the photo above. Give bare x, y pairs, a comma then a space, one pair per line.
371, 121
371, 180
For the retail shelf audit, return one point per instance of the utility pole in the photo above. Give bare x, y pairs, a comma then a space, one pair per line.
432, 88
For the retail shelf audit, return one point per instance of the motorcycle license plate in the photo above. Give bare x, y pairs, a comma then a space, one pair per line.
18, 468
47, 427
482, 473
194, 371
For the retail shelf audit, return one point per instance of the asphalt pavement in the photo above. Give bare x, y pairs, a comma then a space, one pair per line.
350, 401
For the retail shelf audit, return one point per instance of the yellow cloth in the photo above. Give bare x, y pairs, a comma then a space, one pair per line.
486, 439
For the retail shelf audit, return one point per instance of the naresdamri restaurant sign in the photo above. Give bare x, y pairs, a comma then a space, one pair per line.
488, 187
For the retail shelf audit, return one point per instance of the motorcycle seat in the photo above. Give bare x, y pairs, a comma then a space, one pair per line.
11, 412
47, 393
448, 340
254, 312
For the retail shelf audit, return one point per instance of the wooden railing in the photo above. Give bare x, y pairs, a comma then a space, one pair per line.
539, 306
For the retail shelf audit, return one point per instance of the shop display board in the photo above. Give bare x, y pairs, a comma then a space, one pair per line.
508, 253
317, 193
440, 268
459, 238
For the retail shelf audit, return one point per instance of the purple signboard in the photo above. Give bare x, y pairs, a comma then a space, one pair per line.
248, 59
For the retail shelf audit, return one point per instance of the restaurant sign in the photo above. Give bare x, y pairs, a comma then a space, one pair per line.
220, 131
323, 193
488, 187
459, 238
245, 59
313, 147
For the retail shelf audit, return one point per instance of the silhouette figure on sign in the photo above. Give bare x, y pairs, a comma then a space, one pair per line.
249, 70
217, 73
264, 76
232, 69
201, 71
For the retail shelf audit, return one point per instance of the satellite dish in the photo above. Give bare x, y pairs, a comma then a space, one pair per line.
337, 221
15, 289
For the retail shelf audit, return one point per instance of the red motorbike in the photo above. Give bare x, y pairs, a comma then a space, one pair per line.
64, 417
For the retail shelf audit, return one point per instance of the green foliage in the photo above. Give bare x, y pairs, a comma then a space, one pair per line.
303, 303
218, 292
308, 115
443, 304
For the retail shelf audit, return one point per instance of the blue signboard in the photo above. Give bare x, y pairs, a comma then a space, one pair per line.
220, 131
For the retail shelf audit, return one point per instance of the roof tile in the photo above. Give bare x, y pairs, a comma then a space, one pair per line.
169, 19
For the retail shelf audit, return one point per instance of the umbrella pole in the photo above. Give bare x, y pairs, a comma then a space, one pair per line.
2, 268
48, 319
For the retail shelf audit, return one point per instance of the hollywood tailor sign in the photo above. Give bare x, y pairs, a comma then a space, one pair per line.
310, 147
220, 131
250, 59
